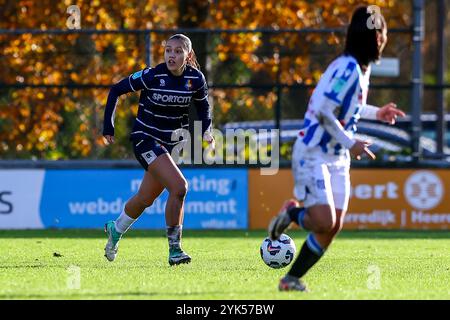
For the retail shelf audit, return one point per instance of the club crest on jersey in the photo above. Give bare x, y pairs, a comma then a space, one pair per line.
188, 84
162, 83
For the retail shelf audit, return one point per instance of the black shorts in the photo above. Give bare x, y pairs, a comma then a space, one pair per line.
146, 151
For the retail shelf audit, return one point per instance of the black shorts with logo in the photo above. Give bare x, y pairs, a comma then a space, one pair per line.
146, 151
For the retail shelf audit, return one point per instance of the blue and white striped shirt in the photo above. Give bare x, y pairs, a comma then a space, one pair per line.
335, 106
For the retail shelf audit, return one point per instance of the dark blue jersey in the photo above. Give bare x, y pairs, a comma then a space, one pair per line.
163, 104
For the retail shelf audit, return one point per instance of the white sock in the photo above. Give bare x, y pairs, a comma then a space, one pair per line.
124, 222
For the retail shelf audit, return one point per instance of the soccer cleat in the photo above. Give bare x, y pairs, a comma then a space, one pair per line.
113, 241
280, 223
290, 283
178, 256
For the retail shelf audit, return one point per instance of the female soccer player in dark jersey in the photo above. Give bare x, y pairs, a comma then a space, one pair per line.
321, 154
166, 92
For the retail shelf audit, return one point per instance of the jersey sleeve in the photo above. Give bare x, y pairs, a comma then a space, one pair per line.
369, 112
118, 89
334, 127
134, 82
338, 92
141, 79
200, 98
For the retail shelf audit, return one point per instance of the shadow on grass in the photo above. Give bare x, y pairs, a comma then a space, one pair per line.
256, 234
12, 267
117, 295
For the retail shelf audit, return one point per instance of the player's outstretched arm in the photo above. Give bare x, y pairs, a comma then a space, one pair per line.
387, 113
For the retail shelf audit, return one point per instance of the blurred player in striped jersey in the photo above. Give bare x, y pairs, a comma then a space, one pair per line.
321, 154
166, 92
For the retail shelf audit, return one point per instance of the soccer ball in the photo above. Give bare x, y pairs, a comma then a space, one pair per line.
278, 253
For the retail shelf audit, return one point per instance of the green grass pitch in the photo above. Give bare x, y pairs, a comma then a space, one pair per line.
45, 264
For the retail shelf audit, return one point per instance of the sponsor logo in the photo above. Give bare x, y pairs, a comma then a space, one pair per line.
383, 217
149, 156
219, 224
338, 84
216, 199
201, 183
377, 191
423, 190
20, 196
136, 75
171, 98
426, 218
6, 206
99, 206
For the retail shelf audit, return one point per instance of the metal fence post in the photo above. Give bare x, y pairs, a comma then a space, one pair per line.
148, 52
417, 78
441, 70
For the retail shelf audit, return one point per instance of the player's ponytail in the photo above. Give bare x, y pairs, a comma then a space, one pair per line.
187, 45
192, 60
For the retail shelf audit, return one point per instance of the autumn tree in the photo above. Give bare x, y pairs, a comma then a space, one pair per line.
56, 123
64, 122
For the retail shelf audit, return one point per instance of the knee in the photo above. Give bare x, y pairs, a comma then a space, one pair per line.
179, 190
325, 226
337, 227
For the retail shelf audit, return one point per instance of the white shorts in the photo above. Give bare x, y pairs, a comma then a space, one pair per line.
320, 178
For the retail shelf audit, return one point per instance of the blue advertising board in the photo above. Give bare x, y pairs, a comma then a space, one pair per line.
216, 199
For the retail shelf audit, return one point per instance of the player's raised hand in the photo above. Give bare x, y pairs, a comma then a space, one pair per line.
361, 147
109, 139
389, 113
